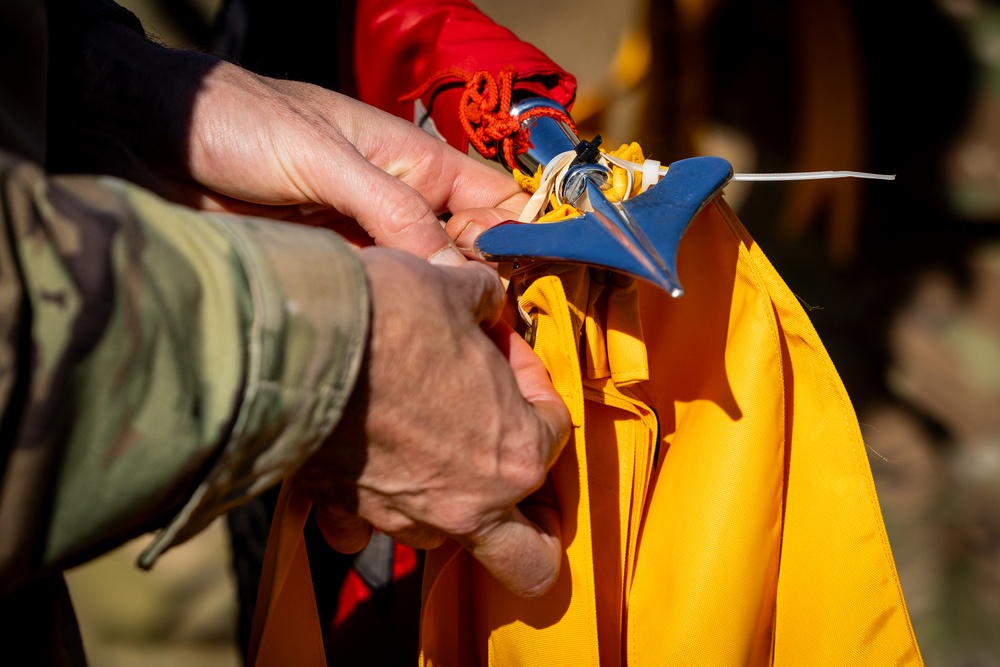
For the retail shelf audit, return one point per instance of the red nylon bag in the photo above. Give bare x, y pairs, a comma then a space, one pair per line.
401, 45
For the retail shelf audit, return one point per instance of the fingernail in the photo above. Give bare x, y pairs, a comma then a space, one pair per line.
467, 237
447, 256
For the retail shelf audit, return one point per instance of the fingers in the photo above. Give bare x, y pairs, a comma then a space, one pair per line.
400, 178
552, 417
492, 434
317, 152
522, 550
419, 537
529, 372
523, 554
466, 226
348, 533
276, 147
344, 532
447, 178
480, 293
394, 214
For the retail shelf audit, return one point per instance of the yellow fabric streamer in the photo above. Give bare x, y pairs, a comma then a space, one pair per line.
620, 177
525, 182
717, 504
560, 213
718, 507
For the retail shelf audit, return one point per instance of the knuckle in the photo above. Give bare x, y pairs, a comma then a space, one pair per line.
526, 472
461, 519
396, 523
402, 215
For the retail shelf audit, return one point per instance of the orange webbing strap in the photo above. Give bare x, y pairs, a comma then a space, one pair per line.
286, 629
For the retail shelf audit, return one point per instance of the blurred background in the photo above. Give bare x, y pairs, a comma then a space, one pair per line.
901, 279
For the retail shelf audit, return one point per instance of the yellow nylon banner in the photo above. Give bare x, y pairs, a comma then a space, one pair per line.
718, 507
717, 502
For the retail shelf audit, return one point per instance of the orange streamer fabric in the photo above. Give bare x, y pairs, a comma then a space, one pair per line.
718, 506
286, 628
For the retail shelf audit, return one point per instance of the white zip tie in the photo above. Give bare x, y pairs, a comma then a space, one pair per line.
551, 174
812, 176
652, 171
650, 174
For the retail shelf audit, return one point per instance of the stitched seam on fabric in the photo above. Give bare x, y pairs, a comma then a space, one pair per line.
811, 339
274, 385
598, 396
254, 347
356, 345
743, 237
736, 228
815, 345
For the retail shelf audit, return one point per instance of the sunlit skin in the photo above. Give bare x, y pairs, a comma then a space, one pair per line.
454, 421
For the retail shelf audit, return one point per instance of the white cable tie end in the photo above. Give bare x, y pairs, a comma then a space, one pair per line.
812, 175
650, 174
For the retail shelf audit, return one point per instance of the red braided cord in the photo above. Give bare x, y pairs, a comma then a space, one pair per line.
521, 141
484, 111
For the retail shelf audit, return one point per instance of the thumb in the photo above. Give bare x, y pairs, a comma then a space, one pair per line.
466, 226
523, 554
393, 213
476, 289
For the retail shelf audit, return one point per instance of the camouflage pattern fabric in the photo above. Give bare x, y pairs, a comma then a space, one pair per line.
157, 365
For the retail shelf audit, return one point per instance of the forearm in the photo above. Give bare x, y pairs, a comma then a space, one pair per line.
168, 363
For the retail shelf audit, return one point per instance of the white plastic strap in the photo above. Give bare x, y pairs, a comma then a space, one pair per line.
651, 171
812, 176
650, 174
550, 175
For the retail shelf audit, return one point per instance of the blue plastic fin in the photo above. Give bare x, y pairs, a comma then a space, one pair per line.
640, 239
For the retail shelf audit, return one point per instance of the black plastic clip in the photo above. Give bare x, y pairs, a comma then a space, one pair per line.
587, 152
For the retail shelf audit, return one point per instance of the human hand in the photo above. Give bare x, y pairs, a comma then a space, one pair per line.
212, 135
441, 438
291, 144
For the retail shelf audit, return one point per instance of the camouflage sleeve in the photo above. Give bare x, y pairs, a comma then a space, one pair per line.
157, 365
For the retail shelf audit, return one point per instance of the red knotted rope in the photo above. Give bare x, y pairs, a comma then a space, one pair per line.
484, 111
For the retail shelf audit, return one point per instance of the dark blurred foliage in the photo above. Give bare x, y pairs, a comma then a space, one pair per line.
739, 68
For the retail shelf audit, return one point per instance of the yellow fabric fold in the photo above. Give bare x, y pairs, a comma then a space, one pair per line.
464, 602
717, 503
